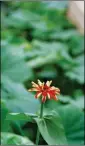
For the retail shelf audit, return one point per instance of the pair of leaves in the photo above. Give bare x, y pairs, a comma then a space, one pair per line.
50, 126
55, 129
52, 129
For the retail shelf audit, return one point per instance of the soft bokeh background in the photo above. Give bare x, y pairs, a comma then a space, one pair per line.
38, 41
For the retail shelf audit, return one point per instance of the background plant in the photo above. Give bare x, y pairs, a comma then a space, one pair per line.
38, 41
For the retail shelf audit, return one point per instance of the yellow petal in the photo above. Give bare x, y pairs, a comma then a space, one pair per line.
40, 83
43, 83
57, 93
52, 88
57, 89
39, 95
48, 95
30, 90
57, 98
33, 89
48, 83
34, 84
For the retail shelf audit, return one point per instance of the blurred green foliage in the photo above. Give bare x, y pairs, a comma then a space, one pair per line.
39, 42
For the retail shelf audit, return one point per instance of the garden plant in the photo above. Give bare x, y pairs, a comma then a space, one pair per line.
42, 75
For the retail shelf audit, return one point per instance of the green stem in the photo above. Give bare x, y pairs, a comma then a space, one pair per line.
38, 132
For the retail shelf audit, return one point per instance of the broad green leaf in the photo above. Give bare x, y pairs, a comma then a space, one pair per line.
12, 139
79, 102
20, 19
52, 129
17, 98
20, 116
18, 120
13, 64
38, 62
73, 121
79, 98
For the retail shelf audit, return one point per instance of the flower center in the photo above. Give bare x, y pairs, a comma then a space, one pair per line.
45, 90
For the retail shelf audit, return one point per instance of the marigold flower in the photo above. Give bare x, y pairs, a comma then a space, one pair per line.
44, 90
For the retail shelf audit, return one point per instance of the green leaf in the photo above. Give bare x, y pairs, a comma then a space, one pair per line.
4, 112
19, 19
77, 44
17, 98
76, 73
63, 35
52, 129
13, 64
20, 116
73, 121
56, 54
18, 120
79, 102
12, 139
79, 98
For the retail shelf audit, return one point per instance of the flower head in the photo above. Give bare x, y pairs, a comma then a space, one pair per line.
45, 90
